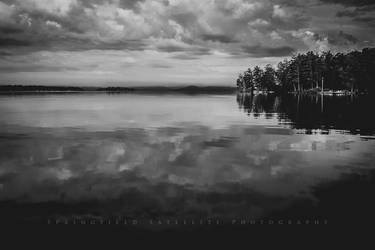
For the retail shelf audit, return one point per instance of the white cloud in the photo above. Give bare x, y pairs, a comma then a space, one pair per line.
259, 23
279, 12
179, 30
53, 24
312, 41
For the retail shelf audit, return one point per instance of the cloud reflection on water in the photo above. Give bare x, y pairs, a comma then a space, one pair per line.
181, 169
84, 166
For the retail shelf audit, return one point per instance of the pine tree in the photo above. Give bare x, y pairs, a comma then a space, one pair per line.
240, 82
257, 77
248, 80
268, 81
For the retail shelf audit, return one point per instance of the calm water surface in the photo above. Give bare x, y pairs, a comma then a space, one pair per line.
183, 156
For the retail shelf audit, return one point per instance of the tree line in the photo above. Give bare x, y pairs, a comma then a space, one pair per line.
353, 71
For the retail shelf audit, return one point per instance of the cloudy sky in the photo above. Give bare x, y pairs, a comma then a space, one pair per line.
166, 42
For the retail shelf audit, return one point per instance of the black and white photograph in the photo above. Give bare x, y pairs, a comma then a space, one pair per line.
183, 116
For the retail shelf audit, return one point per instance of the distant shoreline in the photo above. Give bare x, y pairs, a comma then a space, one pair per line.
41, 89
9, 89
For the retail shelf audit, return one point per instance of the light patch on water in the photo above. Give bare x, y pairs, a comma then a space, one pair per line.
116, 151
55, 155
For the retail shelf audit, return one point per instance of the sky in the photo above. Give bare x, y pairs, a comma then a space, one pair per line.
169, 42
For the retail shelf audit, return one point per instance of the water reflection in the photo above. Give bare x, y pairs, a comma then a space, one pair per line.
347, 113
184, 165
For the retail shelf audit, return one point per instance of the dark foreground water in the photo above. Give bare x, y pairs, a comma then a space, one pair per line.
163, 159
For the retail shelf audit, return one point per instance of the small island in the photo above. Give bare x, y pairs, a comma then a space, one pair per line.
312, 73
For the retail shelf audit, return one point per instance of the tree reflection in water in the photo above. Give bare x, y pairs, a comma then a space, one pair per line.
351, 114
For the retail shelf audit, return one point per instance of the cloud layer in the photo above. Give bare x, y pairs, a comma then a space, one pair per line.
131, 41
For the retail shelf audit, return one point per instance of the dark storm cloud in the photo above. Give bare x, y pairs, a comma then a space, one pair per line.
5, 53
87, 44
342, 39
184, 57
261, 51
125, 4
222, 142
362, 15
160, 65
10, 30
218, 38
70, 44
171, 48
185, 19
347, 13
7, 1
37, 68
77, 29
356, 11
130, 4
350, 2
10, 42
76, 20
192, 50
367, 19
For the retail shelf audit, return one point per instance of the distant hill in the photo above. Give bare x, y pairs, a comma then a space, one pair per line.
192, 89
37, 88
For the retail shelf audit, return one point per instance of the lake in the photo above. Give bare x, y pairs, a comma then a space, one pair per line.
143, 157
